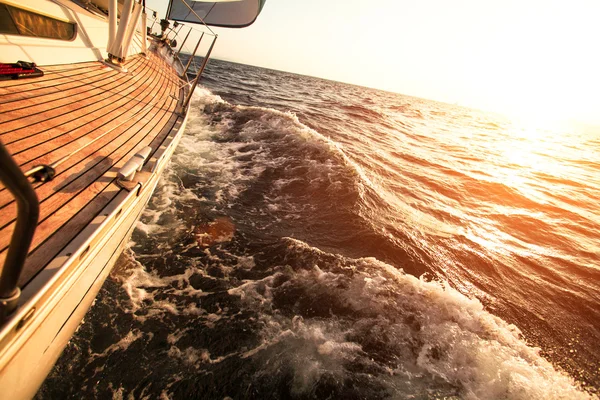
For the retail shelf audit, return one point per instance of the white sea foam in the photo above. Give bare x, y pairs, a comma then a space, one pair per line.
453, 340
122, 344
433, 335
194, 357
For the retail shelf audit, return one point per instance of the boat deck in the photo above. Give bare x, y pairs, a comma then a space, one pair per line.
88, 119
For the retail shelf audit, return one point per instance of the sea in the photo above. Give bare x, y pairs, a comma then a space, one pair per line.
313, 239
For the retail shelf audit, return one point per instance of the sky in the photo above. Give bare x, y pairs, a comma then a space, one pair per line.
538, 59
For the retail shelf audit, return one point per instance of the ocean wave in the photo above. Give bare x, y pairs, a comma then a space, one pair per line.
322, 319
268, 260
310, 322
361, 112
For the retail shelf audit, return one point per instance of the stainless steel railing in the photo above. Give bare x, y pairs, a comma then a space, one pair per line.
171, 34
28, 211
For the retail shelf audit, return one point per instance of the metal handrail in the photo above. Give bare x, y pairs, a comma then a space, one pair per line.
199, 74
192, 59
184, 40
28, 211
153, 19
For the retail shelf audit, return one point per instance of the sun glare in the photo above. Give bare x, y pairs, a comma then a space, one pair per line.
527, 152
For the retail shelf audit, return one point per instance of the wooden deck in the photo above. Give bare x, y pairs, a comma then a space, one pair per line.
89, 119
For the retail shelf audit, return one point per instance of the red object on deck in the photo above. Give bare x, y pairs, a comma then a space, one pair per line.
18, 70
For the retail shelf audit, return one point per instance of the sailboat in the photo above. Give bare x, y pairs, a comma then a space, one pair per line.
93, 102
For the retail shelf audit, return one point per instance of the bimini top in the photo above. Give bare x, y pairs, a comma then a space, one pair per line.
224, 13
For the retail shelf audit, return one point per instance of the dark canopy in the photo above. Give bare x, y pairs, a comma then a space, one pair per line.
224, 13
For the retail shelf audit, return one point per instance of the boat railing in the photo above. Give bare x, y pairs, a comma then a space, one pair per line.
175, 32
28, 211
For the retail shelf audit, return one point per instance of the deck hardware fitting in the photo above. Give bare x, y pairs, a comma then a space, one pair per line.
25, 319
43, 173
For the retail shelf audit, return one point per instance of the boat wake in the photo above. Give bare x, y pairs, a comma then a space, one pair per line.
248, 277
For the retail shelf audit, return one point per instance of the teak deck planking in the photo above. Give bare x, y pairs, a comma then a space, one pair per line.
45, 119
10, 98
61, 180
15, 124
